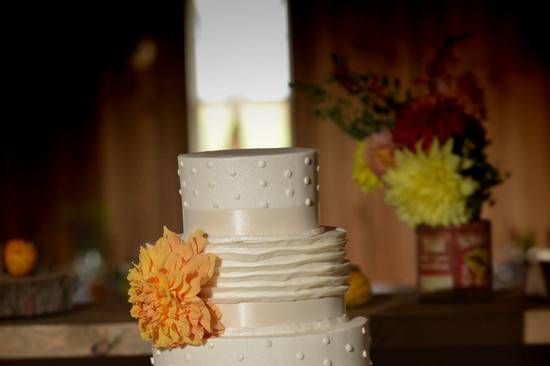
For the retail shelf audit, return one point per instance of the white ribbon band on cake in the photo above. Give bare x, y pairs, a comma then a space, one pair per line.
262, 314
252, 221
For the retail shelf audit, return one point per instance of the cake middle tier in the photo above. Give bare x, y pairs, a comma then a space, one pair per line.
273, 281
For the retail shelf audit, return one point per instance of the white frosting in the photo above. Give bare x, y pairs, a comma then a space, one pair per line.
250, 191
302, 268
337, 342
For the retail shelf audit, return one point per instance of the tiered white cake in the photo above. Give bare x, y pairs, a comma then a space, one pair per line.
282, 277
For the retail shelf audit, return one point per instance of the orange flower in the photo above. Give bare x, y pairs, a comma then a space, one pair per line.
165, 287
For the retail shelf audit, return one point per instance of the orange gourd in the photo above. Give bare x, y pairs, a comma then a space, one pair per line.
20, 257
359, 291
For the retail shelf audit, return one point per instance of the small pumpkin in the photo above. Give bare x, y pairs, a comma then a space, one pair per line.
359, 291
20, 257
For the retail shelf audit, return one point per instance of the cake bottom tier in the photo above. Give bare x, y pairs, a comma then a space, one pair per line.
345, 344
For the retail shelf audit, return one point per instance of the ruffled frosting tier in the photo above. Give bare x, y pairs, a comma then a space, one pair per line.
279, 269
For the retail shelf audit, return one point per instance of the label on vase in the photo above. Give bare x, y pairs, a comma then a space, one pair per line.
435, 266
454, 258
472, 267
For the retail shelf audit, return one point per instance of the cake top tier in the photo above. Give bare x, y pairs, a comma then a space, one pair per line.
249, 179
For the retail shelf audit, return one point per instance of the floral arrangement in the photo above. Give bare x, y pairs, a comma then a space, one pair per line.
165, 287
425, 145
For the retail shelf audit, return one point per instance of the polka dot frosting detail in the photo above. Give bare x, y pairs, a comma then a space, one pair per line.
309, 202
365, 354
327, 362
326, 340
268, 343
248, 182
349, 347
210, 345
363, 330
216, 205
185, 204
240, 357
300, 356
187, 357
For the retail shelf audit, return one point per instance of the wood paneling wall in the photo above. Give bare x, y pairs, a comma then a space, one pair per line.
398, 38
142, 130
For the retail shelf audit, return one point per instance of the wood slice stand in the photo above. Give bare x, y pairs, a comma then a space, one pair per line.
39, 294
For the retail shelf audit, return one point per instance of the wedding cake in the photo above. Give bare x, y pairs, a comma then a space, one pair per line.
280, 278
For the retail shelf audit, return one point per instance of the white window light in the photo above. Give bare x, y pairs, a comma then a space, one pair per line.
240, 66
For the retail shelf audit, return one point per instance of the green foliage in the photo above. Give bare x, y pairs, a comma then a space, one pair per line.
472, 146
370, 104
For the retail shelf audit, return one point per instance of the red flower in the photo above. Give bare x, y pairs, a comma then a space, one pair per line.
427, 118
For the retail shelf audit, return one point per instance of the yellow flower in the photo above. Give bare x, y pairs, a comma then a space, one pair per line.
427, 188
165, 287
362, 173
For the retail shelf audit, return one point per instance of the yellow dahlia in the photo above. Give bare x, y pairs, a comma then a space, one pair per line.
165, 287
362, 173
427, 187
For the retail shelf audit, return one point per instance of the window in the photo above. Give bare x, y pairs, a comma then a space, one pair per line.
240, 67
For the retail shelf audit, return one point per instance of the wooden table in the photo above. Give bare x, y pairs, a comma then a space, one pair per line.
397, 322
103, 329
508, 319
